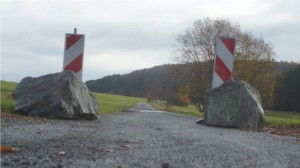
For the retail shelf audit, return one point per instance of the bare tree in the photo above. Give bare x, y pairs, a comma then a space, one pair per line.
197, 45
254, 63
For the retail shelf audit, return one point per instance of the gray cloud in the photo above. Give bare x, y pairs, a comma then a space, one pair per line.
124, 35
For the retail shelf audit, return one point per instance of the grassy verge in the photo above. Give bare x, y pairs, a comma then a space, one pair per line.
273, 118
108, 103
282, 118
7, 101
114, 103
187, 110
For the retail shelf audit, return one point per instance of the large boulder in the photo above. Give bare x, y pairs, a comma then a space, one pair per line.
234, 104
59, 95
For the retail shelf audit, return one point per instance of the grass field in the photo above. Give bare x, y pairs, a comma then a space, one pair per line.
7, 102
273, 118
282, 118
188, 110
114, 103
109, 103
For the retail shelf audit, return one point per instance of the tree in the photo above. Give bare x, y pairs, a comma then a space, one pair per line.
254, 63
288, 91
196, 47
153, 83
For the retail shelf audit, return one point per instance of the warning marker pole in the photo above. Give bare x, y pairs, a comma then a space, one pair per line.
223, 66
73, 53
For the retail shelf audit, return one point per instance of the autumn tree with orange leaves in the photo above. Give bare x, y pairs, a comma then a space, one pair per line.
254, 59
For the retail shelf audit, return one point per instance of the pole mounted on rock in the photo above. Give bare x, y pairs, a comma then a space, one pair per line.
223, 66
73, 53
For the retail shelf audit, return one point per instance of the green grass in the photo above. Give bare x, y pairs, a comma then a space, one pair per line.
282, 118
7, 101
273, 118
108, 103
114, 103
283, 114
186, 110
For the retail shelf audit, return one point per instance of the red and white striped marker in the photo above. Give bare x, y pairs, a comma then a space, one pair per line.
73, 54
223, 61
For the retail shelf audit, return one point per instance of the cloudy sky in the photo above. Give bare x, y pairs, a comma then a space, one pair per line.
126, 35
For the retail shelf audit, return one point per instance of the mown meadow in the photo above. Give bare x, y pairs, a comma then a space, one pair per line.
273, 118
114, 103
109, 103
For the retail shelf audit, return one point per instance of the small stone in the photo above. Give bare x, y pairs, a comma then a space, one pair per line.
61, 153
25, 163
165, 165
106, 150
125, 146
200, 121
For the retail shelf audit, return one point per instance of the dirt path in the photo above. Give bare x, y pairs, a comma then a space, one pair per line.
141, 137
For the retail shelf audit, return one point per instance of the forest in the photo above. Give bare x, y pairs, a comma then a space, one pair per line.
167, 83
194, 53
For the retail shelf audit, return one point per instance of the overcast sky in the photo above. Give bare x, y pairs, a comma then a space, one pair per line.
126, 35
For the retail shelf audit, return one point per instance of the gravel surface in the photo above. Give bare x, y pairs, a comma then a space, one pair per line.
141, 137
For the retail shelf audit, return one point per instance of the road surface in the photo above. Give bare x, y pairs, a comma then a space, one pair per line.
142, 137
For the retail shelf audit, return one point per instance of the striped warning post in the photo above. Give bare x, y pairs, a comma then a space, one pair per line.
223, 61
73, 54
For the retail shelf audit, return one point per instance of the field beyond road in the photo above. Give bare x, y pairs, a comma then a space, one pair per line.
282, 123
141, 137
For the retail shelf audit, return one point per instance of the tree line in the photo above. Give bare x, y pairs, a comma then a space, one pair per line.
154, 84
288, 91
164, 83
194, 54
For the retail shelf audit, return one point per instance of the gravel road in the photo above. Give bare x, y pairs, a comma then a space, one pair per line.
142, 137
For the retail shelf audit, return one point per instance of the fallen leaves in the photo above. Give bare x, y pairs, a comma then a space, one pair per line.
6, 115
9, 149
281, 131
295, 132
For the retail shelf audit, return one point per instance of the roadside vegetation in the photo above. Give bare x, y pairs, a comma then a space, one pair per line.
186, 81
109, 103
273, 118
115, 103
7, 101
190, 110
282, 118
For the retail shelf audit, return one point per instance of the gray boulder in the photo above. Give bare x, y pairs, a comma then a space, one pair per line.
234, 104
59, 95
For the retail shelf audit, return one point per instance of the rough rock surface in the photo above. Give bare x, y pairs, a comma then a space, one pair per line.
234, 104
59, 95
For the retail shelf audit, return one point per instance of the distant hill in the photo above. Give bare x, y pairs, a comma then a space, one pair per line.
155, 82
151, 82
284, 67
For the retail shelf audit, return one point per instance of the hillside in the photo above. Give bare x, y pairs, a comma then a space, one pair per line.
156, 82
153, 82
284, 67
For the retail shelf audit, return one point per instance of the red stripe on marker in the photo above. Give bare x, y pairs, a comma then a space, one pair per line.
76, 64
229, 43
222, 70
71, 40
